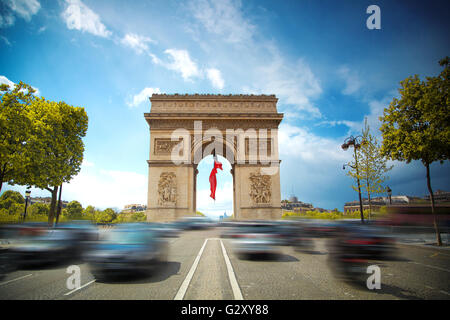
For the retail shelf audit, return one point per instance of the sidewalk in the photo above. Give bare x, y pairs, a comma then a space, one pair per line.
424, 240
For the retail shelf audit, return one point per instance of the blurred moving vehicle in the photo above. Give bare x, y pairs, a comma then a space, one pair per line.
355, 247
126, 250
255, 238
37, 245
166, 230
195, 223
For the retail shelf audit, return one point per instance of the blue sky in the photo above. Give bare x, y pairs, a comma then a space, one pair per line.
327, 68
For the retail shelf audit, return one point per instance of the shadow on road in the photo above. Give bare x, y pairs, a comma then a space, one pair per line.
314, 252
159, 273
397, 292
49, 265
279, 257
385, 289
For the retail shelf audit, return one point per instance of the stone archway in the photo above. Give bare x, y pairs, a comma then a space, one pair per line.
186, 128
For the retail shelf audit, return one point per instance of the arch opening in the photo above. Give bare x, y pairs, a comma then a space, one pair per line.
223, 205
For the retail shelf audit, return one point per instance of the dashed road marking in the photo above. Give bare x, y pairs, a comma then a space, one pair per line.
84, 285
427, 265
9, 281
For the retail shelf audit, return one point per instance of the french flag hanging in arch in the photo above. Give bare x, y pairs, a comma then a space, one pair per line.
212, 176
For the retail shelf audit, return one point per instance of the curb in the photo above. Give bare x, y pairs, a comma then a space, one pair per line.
427, 246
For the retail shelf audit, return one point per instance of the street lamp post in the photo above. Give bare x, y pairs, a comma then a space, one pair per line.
353, 141
27, 197
389, 192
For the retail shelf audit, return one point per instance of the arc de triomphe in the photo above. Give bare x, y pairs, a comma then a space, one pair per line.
186, 128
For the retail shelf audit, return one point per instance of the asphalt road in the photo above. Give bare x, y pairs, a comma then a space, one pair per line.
201, 266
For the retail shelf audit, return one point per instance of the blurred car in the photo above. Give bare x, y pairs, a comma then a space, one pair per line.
126, 250
166, 230
37, 246
369, 241
354, 246
288, 232
195, 223
85, 233
256, 239
232, 229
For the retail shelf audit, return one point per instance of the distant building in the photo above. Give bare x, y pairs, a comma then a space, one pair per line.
47, 200
439, 196
134, 208
402, 200
224, 216
293, 204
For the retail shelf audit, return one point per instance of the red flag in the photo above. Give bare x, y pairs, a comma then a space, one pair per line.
212, 177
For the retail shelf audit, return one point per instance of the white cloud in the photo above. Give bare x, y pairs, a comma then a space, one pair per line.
376, 110
25, 8
136, 42
352, 82
100, 188
354, 126
295, 84
215, 76
106, 188
22, 8
80, 17
223, 18
301, 143
182, 63
142, 96
5, 80
231, 37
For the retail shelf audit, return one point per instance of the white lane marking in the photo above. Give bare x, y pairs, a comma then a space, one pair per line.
233, 281
184, 286
84, 285
427, 265
15, 279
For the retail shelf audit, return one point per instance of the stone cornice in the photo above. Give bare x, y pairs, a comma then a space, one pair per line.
205, 116
215, 97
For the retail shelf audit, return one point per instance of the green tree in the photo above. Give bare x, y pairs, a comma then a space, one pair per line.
105, 216
372, 165
89, 213
15, 127
39, 209
138, 216
74, 210
417, 126
9, 197
12, 202
54, 151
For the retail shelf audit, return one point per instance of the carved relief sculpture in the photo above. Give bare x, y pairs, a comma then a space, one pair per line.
260, 188
167, 189
164, 146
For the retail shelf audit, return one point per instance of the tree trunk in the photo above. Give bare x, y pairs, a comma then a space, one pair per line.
368, 199
58, 212
2, 175
51, 214
436, 226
